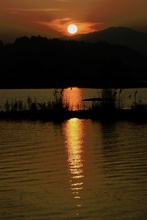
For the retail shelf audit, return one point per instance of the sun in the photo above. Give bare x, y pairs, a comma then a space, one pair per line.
72, 29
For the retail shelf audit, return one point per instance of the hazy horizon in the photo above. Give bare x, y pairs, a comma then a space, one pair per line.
50, 19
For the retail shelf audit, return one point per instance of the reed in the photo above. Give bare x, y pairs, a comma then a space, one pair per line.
109, 99
108, 106
113, 99
55, 105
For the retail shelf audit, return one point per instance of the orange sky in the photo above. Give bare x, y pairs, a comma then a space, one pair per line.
50, 18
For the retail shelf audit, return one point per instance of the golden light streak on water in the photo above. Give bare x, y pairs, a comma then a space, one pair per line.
77, 169
74, 133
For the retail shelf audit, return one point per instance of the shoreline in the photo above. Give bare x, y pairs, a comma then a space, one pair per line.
85, 84
105, 115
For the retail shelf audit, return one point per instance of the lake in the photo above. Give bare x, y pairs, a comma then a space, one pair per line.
72, 96
75, 169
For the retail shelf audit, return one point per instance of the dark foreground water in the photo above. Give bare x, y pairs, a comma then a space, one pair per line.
78, 169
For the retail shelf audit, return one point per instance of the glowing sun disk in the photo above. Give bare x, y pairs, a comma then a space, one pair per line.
72, 29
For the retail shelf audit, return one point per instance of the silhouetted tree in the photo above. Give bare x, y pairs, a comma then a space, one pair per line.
40, 61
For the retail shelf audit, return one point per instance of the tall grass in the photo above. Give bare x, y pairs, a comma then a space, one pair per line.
29, 104
110, 99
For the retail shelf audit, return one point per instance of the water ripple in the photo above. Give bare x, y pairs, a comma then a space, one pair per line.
80, 169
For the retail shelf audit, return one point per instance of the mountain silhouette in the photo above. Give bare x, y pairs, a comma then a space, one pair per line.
117, 35
40, 62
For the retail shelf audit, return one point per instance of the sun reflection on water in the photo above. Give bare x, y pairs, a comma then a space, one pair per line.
72, 97
74, 132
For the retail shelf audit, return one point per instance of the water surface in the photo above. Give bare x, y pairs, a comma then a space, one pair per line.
71, 96
77, 169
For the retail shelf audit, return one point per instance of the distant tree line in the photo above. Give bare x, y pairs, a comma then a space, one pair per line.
42, 62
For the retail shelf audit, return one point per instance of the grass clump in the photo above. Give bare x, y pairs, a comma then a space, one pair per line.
55, 105
109, 99
137, 103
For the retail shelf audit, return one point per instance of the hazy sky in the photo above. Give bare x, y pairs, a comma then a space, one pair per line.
50, 18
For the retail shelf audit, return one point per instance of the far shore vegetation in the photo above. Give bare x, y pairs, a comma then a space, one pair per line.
38, 62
